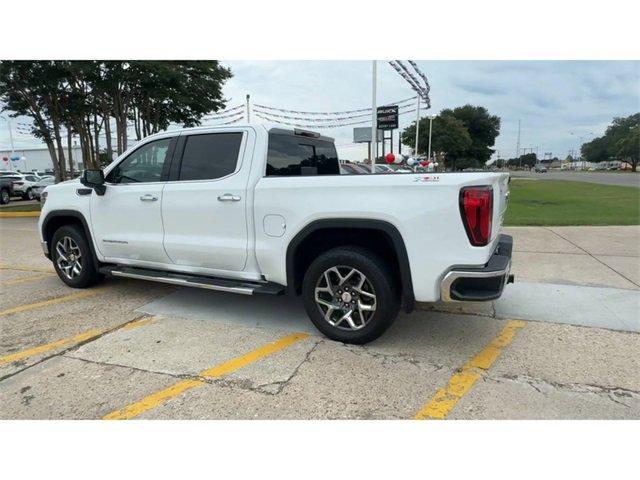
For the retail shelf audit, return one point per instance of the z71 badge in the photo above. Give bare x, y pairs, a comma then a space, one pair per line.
428, 178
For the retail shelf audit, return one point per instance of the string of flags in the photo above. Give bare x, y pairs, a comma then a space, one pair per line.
345, 112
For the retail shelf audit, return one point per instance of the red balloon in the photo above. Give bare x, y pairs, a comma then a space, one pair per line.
390, 157
424, 163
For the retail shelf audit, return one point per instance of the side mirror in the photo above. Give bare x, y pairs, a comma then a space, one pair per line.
94, 179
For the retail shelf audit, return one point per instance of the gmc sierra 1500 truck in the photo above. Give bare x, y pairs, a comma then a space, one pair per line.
252, 210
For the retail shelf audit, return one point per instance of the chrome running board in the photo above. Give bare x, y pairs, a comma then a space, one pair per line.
197, 281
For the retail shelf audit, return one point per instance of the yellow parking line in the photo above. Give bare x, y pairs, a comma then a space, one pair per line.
25, 280
19, 214
24, 268
52, 301
158, 398
461, 382
81, 337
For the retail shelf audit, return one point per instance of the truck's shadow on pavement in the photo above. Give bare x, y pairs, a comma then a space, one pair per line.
418, 332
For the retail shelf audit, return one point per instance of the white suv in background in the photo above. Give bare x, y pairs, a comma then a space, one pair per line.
24, 185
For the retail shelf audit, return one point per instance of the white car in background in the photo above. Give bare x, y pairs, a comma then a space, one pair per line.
23, 185
43, 183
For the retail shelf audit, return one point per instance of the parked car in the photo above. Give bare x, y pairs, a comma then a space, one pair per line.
269, 213
23, 185
6, 190
43, 183
540, 169
350, 169
384, 169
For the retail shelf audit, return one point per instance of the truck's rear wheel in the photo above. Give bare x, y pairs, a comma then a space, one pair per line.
72, 257
349, 295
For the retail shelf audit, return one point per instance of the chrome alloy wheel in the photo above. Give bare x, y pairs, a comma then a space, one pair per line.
69, 257
345, 297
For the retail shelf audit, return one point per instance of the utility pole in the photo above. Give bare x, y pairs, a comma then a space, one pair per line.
518, 141
374, 117
417, 125
248, 112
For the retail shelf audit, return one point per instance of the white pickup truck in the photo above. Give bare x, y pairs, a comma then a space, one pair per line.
252, 210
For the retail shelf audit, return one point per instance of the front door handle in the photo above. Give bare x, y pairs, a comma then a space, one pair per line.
148, 198
227, 197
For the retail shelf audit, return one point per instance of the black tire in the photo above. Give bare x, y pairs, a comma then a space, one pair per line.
379, 277
88, 275
28, 195
5, 196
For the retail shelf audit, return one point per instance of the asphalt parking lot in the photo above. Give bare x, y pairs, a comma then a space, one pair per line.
131, 349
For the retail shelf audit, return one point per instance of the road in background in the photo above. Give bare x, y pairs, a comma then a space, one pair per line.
605, 178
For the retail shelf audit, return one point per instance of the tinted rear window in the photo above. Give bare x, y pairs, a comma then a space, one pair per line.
291, 155
210, 156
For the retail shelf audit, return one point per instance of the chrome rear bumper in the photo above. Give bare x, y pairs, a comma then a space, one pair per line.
480, 284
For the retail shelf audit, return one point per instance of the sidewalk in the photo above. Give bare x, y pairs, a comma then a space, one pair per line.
596, 256
588, 276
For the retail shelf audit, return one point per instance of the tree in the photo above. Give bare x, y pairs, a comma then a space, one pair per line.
81, 98
628, 147
620, 141
596, 150
175, 92
449, 135
31, 88
482, 127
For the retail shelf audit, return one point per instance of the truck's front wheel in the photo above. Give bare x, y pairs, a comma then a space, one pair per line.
72, 257
349, 295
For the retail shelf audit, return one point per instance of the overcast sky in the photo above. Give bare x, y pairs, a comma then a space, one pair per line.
551, 98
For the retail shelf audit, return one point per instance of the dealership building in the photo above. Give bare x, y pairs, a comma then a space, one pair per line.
36, 159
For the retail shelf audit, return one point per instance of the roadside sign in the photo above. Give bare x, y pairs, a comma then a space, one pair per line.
363, 135
387, 117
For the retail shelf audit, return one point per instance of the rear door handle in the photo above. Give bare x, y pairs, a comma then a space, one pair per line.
227, 197
148, 198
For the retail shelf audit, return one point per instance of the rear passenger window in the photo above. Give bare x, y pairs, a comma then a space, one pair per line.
300, 156
210, 156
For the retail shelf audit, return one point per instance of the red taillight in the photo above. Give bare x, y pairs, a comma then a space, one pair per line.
476, 208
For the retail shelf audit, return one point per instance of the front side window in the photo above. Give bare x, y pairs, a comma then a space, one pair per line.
210, 156
143, 165
291, 155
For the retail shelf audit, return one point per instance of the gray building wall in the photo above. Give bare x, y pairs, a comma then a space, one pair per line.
37, 159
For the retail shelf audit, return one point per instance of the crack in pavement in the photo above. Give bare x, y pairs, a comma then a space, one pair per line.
70, 348
592, 256
543, 387
264, 388
413, 359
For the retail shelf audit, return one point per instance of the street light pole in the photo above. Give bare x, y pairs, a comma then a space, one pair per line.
417, 125
430, 128
374, 113
13, 150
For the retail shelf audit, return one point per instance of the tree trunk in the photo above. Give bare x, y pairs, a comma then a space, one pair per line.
70, 151
107, 131
61, 159
96, 135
